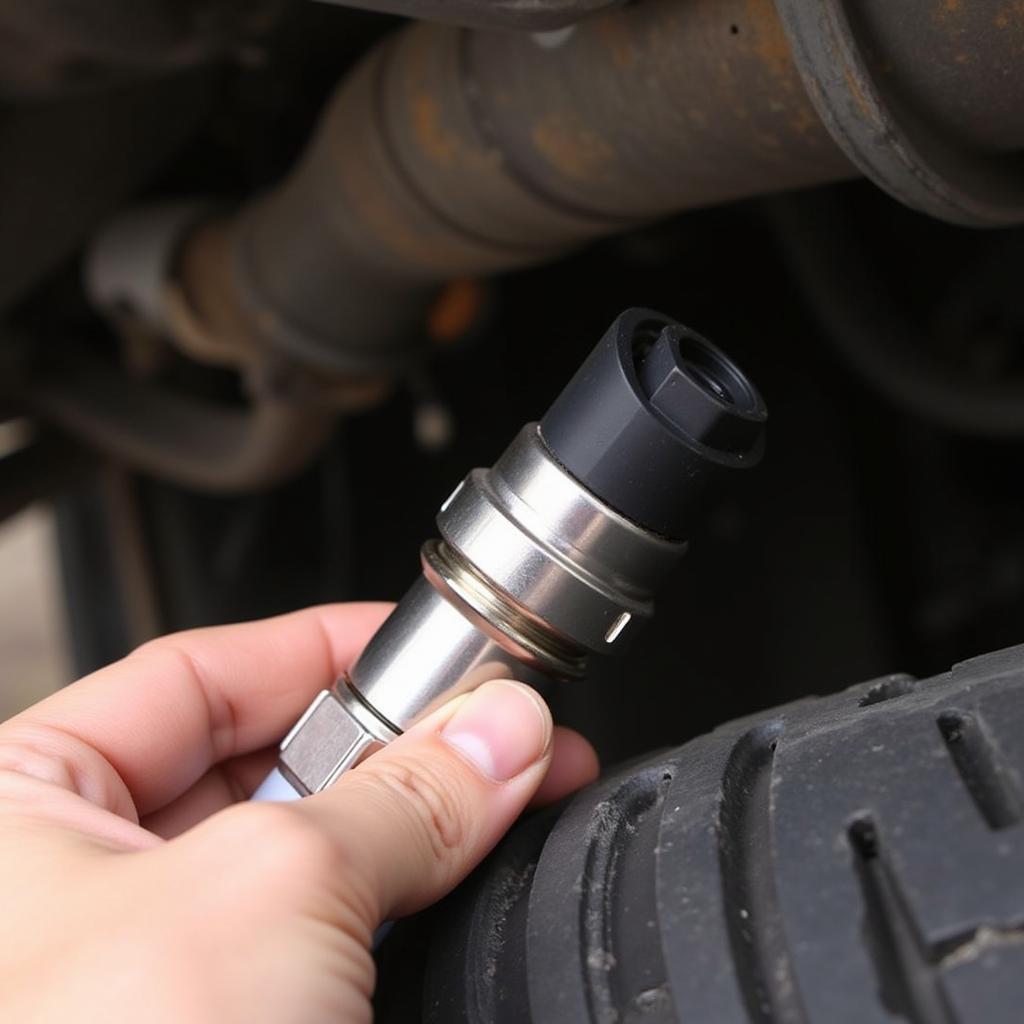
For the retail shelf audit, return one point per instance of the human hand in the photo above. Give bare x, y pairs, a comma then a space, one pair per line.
138, 885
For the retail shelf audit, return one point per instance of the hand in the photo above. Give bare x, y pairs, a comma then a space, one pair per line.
136, 882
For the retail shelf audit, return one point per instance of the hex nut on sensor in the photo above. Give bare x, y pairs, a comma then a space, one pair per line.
335, 734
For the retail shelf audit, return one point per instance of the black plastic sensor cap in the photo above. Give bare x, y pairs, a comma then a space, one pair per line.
653, 413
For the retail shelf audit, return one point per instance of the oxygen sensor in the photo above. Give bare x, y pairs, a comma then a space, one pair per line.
555, 552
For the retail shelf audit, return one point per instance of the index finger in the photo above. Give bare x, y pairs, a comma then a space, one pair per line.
165, 714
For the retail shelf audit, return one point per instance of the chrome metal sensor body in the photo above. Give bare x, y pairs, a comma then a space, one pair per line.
555, 552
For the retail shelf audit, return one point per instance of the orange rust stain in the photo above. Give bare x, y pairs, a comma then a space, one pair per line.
769, 41
572, 149
1012, 15
948, 16
770, 44
455, 311
856, 92
805, 122
616, 37
438, 145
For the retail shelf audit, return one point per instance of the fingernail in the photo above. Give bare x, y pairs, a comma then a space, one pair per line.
502, 728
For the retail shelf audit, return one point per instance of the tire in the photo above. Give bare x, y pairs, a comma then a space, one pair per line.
852, 858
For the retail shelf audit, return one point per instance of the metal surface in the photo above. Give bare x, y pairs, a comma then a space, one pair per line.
429, 651
555, 548
450, 153
513, 626
936, 142
532, 573
335, 734
431, 648
454, 153
533, 570
515, 14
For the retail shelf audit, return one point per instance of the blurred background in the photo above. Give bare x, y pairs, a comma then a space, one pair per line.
36, 658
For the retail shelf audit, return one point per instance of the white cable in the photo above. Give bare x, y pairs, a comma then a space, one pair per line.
275, 787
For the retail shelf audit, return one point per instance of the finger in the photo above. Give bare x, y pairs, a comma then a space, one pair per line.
227, 783
574, 764
156, 721
413, 820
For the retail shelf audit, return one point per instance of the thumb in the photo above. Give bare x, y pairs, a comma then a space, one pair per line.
417, 817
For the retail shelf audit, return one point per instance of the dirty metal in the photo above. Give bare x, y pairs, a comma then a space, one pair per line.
453, 153
914, 95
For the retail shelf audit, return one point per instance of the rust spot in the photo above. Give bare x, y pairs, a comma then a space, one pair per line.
805, 122
572, 149
1012, 15
614, 33
437, 144
948, 17
770, 42
455, 311
857, 91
